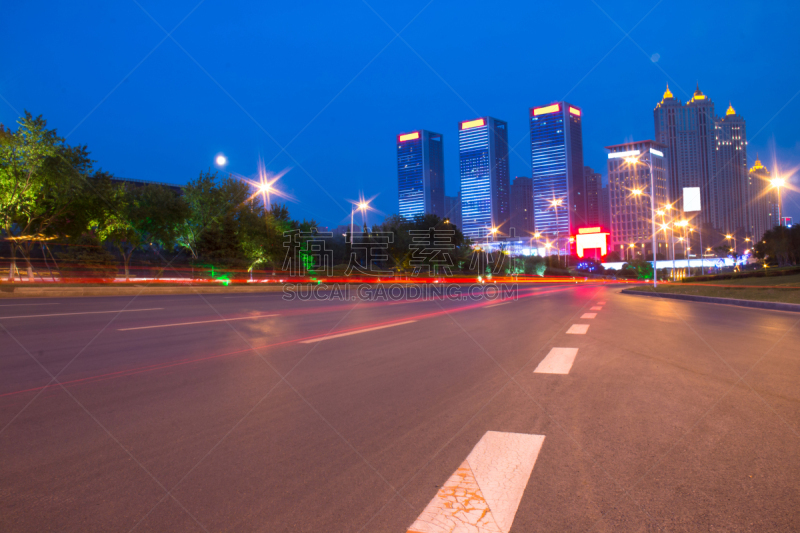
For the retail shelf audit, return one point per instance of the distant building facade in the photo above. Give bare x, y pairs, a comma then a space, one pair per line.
605, 208
522, 206
420, 173
483, 166
629, 193
557, 170
452, 209
593, 183
709, 152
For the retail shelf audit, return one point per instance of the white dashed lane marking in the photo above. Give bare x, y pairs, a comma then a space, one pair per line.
483, 495
601, 303
356, 332
588, 315
201, 322
495, 305
596, 308
558, 361
578, 329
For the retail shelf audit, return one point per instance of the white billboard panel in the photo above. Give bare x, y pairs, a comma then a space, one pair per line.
691, 199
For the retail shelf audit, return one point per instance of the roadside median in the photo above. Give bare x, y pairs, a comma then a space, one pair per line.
779, 299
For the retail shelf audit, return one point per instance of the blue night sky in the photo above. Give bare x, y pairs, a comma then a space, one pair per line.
333, 84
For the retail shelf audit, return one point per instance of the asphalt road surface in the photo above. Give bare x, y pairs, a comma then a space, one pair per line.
570, 408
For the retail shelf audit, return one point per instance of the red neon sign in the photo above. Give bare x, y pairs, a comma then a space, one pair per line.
591, 238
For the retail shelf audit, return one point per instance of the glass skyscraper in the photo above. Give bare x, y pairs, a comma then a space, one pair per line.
557, 170
420, 173
483, 150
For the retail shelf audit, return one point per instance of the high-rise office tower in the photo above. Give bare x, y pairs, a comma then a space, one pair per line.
452, 209
522, 206
629, 192
483, 152
593, 183
559, 198
688, 131
420, 173
763, 199
734, 212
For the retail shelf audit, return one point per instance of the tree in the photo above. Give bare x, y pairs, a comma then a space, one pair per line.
131, 217
41, 180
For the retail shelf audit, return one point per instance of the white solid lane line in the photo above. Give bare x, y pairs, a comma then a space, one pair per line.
483, 495
201, 322
578, 329
596, 308
558, 361
345, 334
588, 315
84, 313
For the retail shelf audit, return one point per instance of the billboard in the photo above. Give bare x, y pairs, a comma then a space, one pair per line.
591, 239
691, 199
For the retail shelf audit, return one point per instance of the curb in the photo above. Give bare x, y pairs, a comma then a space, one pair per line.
775, 306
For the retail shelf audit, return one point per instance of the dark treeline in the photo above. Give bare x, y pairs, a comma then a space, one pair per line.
57, 210
780, 246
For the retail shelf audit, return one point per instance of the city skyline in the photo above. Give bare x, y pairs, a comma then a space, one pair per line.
192, 101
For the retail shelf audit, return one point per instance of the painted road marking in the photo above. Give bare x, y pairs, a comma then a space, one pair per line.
84, 313
596, 308
601, 303
578, 329
345, 334
202, 322
495, 305
558, 361
483, 495
588, 315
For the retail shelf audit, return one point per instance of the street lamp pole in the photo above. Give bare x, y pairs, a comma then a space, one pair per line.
653, 216
653, 212
555, 204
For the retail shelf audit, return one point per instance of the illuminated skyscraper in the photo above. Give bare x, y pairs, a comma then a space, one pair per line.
557, 164
734, 209
483, 152
420, 173
688, 131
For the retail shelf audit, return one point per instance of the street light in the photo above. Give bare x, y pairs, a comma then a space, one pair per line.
554, 204
536, 236
778, 183
361, 206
